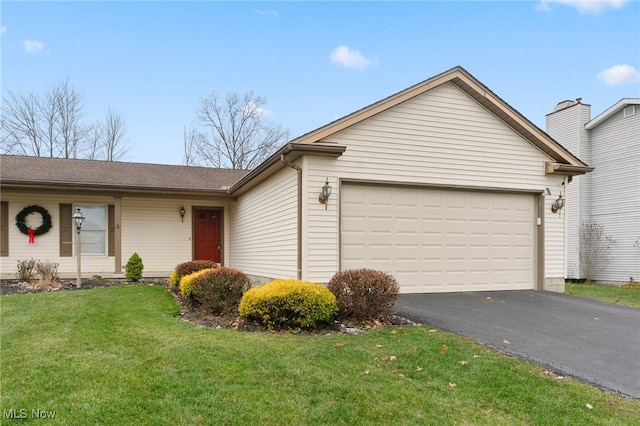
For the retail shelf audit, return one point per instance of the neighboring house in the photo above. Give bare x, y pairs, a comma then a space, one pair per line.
442, 185
610, 196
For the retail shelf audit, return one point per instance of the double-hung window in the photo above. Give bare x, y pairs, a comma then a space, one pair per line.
94, 229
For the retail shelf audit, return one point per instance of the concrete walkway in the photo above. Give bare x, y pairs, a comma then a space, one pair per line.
595, 342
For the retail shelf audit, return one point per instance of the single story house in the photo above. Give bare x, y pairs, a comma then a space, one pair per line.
444, 185
610, 196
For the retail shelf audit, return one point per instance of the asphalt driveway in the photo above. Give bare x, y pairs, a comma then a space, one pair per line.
595, 342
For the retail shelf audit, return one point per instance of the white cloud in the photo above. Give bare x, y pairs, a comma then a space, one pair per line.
350, 58
3, 29
32, 46
620, 74
583, 6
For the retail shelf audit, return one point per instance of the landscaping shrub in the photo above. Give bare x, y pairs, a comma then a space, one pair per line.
364, 294
288, 303
186, 282
189, 267
133, 268
25, 270
48, 271
219, 290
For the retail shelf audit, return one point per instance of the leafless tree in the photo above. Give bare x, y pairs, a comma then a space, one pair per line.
114, 133
21, 132
192, 136
51, 126
239, 133
595, 248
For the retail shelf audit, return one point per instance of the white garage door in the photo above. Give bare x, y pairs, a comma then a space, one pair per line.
435, 240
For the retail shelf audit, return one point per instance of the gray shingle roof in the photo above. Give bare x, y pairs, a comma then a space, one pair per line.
21, 170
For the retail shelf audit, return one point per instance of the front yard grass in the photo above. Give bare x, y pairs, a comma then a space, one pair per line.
122, 355
627, 295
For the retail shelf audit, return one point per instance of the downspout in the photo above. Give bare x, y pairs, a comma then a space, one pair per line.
299, 171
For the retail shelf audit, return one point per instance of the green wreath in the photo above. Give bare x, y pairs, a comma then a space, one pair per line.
46, 220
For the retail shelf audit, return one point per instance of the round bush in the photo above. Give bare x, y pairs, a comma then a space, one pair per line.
134, 267
189, 267
364, 294
288, 303
219, 291
186, 282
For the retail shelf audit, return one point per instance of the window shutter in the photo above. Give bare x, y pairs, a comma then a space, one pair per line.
4, 228
66, 230
111, 230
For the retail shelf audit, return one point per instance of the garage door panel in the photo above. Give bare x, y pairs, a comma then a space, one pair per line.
435, 240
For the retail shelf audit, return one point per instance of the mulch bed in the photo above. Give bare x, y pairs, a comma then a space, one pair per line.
197, 317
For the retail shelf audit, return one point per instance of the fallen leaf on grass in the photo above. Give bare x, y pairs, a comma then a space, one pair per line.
394, 371
394, 331
366, 371
452, 385
338, 345
419, 368
433, 330
415, 348
589, 406
443, 349
463, 362
378, 346
392, 358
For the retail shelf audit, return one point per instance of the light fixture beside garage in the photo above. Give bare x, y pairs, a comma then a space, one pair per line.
182, 213
325, 194
558, 204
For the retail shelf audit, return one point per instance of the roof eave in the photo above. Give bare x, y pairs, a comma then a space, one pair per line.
566, 169
291, 152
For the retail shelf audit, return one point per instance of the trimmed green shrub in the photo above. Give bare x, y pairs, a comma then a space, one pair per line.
288, 303
133, 268
219, 291
364, 294
189, 267
186, 282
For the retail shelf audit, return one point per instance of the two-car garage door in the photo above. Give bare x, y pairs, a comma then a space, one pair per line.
436, 240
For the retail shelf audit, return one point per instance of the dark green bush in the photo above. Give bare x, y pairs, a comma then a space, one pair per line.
188, 268
288, 303
134, 267
364, 294
219, 291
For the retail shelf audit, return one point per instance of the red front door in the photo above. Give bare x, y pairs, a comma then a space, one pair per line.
206, 231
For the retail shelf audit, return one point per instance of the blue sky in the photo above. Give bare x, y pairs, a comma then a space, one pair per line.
314, 61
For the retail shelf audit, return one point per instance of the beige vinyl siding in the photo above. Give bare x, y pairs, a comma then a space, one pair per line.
47, 246
149, 226
615, 191
263, 228
153, 229
442, 137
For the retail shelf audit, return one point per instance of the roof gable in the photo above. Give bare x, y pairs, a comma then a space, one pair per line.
623, 103
477, 91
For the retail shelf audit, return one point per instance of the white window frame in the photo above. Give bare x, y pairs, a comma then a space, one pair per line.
87, 242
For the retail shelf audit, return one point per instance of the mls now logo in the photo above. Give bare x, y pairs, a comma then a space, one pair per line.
23, 413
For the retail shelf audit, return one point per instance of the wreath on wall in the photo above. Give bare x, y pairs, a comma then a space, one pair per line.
42, 229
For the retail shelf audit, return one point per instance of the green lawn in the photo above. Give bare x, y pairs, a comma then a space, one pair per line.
627, 295
122, 355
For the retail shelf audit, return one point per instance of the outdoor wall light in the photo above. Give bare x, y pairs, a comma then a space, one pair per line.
325, 194
558, 204
182, 213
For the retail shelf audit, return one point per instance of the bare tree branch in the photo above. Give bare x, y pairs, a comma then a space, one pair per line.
239, 137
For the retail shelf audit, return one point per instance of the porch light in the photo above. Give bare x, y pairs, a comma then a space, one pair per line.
325, 194
182, 213
558, 204
78, 220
